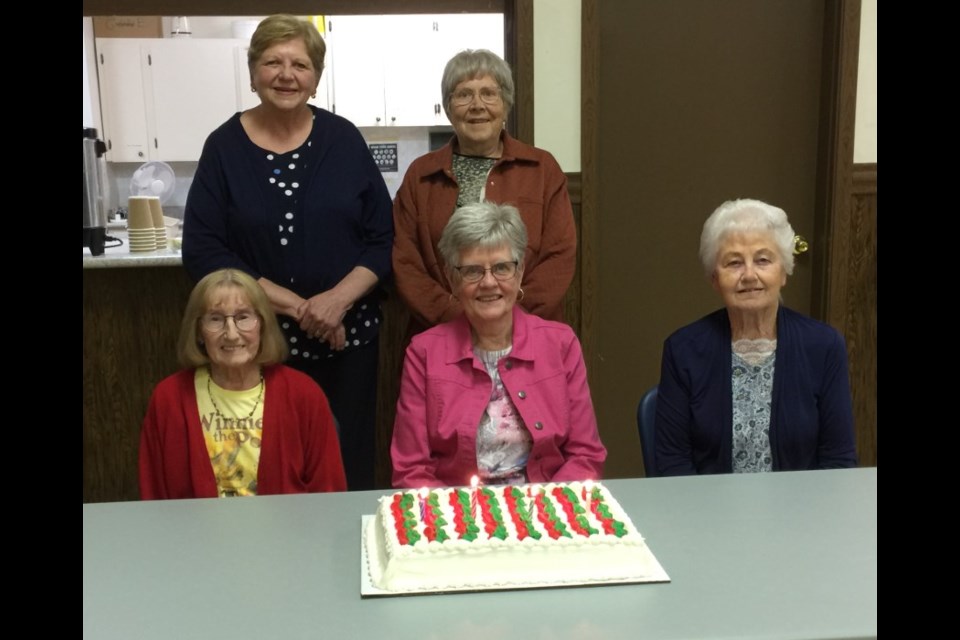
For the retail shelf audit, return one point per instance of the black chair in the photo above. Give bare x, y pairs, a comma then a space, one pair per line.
646, 423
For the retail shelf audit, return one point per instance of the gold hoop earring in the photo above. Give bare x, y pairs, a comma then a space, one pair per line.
253, 89
520, 294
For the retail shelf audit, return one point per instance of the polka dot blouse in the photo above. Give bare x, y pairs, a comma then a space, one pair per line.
286, 174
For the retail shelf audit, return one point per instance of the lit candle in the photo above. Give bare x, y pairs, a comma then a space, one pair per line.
587, 493
474, 483
423, 494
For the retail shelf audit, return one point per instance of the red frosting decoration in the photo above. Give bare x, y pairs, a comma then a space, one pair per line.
397, 512
511, 499
548, 523
570, 510
429, 518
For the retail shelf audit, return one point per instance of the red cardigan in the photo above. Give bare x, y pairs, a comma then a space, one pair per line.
300, 451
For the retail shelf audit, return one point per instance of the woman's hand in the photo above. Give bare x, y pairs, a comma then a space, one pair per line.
322, 314
283, 301
337, 338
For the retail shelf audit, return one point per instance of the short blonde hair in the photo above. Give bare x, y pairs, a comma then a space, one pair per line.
191, 352
280, 28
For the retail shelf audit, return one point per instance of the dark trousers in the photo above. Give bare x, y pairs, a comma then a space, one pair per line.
349, 380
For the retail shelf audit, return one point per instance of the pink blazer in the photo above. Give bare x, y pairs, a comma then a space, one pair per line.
445, 390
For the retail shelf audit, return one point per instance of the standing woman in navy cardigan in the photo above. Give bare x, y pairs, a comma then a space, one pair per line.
290, 194
754, 386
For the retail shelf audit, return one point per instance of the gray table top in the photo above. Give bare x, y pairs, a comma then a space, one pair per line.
782, 555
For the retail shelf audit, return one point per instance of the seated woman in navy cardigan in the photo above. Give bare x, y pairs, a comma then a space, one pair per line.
754, 386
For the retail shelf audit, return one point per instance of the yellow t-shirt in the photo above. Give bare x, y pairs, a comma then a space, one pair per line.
233, 439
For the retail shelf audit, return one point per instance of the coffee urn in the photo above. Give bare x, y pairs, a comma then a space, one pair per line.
94, 209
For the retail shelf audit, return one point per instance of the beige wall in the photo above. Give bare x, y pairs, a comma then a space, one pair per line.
865, 140
556, 63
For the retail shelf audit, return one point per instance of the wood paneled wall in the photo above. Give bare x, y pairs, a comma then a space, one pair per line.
131, 318
859, 307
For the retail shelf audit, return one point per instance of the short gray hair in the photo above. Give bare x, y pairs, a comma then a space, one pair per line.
746, 216
476, 63
485, 225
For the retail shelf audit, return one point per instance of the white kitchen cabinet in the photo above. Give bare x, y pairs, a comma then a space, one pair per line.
386, 70
193, 87
161, 97
122, 100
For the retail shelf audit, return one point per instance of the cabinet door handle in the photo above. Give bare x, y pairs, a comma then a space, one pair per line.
393, 120
378, 119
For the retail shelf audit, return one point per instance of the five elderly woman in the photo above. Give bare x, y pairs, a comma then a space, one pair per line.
493, 384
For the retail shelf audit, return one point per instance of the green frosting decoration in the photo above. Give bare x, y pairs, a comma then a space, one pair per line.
525, 514
470, 526
499, 531
439, 523
554, 520
409, 520
603, 511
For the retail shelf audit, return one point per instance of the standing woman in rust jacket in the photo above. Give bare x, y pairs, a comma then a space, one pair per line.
481, 162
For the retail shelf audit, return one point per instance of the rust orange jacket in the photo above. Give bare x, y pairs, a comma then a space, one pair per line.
524, 176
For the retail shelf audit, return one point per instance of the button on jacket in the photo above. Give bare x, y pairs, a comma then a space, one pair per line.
445, 390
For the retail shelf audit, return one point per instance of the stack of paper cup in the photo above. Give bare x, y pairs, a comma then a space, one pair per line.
140, 230
156, 211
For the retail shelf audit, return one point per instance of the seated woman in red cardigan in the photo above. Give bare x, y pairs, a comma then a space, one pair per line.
236, 422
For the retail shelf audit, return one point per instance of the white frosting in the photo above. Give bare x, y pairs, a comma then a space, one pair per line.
491, 562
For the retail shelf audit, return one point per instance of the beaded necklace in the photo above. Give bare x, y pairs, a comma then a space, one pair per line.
216, 409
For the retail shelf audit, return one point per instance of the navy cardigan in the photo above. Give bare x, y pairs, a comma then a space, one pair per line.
345, 218
811, 414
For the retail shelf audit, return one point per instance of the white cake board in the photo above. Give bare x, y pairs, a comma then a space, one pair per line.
367, 589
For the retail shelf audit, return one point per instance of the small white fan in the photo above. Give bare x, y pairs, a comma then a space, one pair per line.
154, 178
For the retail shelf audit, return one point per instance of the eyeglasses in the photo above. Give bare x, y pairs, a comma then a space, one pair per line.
463, 97
500, 271
217, 322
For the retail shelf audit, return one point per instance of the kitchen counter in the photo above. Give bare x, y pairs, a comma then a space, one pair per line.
121, 256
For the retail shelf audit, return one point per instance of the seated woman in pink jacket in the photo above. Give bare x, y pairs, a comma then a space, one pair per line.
496, 392
236, 422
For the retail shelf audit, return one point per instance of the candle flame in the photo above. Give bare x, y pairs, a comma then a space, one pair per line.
474, 481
